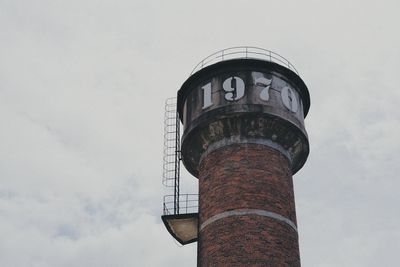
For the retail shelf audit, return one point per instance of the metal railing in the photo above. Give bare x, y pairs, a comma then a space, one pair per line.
238, 52
188, 203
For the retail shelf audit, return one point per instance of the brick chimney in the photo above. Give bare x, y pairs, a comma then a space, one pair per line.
244, 138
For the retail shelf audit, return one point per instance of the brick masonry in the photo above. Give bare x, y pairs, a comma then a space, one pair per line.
247, 176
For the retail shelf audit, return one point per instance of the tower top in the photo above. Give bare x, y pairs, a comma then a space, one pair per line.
243, 64
248, 94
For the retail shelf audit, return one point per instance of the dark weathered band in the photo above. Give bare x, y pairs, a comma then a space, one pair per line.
234, 140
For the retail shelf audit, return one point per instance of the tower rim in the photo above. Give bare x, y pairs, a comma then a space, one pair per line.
242, 64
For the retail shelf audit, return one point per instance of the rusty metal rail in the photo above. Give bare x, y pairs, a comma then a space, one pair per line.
188, 203
250, 52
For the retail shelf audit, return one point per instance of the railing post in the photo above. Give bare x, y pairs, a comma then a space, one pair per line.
246, 51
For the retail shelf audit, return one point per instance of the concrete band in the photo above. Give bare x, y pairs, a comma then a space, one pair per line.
241, 212
234, 140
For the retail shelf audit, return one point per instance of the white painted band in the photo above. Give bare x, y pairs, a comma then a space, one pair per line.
241, 212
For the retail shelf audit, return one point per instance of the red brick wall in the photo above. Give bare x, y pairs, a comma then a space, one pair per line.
247, 176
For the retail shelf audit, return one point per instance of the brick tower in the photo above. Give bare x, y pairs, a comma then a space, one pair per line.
244, 138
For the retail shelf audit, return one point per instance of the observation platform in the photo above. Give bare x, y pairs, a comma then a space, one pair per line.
182, 218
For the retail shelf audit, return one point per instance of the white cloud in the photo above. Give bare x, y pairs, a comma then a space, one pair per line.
82, 89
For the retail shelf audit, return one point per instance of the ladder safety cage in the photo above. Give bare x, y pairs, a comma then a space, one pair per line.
171, 158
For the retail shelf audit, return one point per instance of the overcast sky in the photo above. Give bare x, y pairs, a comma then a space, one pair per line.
82, 91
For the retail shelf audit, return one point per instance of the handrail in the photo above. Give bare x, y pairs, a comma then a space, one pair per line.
188, 203
244, 52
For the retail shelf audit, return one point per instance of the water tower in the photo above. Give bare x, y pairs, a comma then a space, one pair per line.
242, 111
